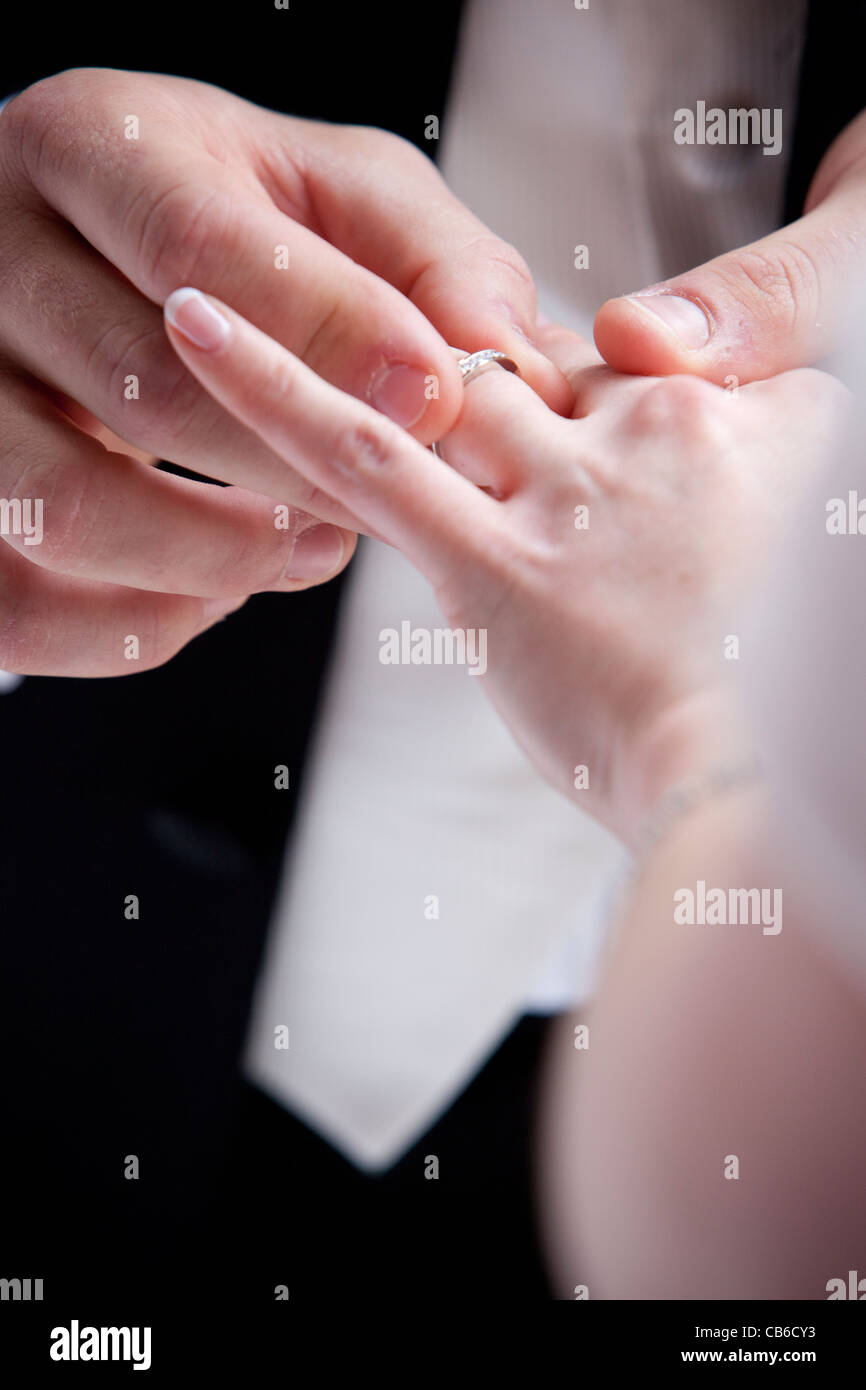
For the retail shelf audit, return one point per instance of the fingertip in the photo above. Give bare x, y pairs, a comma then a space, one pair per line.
198, 318
633, 337
533, 366
350, 544
444, 390
544, 377
424, 400
319, 553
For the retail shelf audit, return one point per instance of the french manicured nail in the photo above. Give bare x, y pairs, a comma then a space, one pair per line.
317, 553
685, 319
399, 392
196, 318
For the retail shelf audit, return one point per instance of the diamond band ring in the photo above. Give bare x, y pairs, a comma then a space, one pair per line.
474, 364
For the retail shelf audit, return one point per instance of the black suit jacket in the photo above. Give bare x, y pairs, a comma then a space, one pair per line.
122, 1037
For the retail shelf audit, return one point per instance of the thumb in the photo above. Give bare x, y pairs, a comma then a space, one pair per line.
760, 310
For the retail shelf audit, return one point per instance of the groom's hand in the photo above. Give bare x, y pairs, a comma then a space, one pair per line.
342, 243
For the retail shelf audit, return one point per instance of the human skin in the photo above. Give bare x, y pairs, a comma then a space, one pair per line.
707, 1043
385, 267
605, 644
774, 305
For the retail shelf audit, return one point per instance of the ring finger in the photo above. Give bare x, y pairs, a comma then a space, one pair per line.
498, 431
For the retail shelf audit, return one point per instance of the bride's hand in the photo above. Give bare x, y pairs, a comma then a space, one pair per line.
607, 560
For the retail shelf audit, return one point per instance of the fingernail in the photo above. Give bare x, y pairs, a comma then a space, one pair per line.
196, 318
399, 392
317, 553
685, 319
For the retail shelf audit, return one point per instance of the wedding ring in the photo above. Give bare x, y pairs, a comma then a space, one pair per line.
474, 365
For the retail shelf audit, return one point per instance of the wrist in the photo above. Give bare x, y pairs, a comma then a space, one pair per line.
696, 740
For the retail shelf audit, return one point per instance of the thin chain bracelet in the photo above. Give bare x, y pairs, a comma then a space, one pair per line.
674, 805
687, 796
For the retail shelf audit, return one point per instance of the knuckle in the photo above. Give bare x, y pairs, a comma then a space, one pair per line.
362, 452
389, 147
35, 124
24, 126
252, 558
60, 489
278, 382
492, 248
677, 404
782, 283
169, 400
176, 232
327, 337
30, 111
